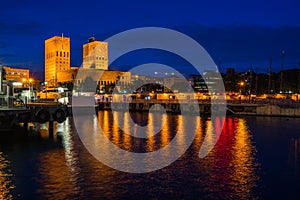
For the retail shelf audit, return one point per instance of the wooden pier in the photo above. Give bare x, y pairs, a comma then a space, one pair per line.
32, 112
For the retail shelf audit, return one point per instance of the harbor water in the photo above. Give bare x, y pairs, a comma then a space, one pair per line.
255, 157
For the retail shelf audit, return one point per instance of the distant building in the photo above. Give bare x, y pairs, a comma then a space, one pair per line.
112, 77
147, 79
74, 71
198, 83
16, 80
15, 74
231, 80
177, 84
57, 60
230, 72
105, 80
95, 55
213, 81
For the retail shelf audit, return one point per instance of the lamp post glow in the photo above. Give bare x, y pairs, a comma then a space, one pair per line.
31, 89
241, 84
29, 82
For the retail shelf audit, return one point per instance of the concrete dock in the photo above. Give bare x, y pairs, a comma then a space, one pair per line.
205, 107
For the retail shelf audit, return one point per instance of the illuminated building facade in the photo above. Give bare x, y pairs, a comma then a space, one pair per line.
105, 80
57, 60
198, 83
15, 74
95, 55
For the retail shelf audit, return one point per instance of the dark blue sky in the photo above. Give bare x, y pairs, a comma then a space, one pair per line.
235, 33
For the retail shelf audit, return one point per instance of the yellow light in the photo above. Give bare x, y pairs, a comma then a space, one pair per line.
30, 80
242, 83
17, 84
23, 79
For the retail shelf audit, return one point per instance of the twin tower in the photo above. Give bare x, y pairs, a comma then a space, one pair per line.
57, 58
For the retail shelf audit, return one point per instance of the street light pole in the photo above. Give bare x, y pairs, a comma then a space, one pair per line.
241, 84
24, 82
30, 89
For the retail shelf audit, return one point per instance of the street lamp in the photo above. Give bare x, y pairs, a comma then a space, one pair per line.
241, 84
31, 88
29, 83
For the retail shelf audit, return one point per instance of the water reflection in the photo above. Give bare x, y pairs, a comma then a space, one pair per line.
243, 163
231, 165
294, 156
58, 170
66, 170
6, 184
157, 138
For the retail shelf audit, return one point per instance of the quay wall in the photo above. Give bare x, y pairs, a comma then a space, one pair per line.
274, 110
205, 108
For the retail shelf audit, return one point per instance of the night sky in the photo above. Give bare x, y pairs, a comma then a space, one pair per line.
235, 33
